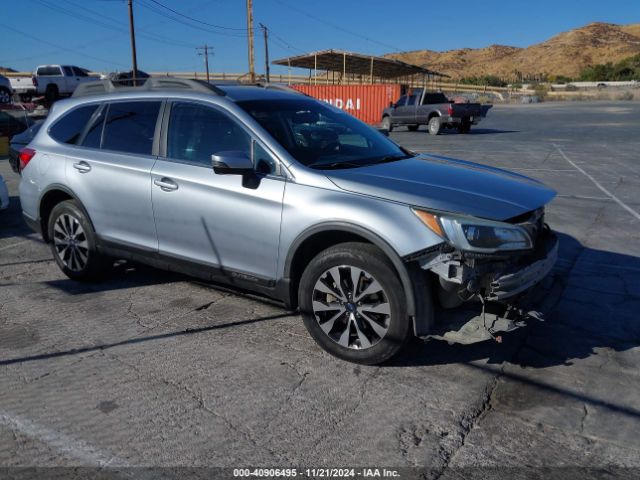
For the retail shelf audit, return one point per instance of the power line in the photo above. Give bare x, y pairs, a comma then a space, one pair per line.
115, 26
139, 31
158, 11
337, 27
195, 19
283, 42
47, 42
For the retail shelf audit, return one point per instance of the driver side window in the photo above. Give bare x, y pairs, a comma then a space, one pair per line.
196, 132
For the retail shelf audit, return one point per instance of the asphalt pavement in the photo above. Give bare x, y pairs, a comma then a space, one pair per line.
155, 369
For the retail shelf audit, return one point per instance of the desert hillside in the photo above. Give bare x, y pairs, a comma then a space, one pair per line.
565, 54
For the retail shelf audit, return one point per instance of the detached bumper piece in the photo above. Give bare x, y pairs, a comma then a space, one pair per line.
466, 327
510, 284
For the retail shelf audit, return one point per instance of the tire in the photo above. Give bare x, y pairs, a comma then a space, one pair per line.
5, 96
69, 225
386, 124
51, 93
464, 128
353, 325
434, 126
412, 128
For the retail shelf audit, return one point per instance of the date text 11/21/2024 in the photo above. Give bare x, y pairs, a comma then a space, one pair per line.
317, 472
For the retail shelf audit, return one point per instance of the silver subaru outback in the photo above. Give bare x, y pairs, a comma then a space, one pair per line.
276, 193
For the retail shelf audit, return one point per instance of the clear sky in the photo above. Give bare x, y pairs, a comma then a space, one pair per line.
94, 33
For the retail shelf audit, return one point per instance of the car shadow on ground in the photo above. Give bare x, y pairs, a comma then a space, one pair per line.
11, 222
478, 131
589, 305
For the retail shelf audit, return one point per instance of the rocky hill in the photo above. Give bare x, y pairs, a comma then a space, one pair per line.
565, 54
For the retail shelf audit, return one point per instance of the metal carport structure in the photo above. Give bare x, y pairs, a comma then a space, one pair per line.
361, 68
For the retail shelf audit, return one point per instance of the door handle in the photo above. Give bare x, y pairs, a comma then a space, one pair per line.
82, 167
166, 184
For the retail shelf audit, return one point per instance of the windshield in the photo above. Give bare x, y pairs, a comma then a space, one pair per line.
321, 136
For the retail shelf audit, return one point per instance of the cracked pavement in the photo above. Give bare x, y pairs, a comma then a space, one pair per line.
150, 368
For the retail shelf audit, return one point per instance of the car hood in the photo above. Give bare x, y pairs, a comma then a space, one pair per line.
447, 184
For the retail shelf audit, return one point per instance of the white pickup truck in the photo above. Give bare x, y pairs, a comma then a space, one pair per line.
54, 81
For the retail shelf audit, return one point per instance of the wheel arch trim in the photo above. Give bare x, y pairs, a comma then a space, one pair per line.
68, 191
375, 239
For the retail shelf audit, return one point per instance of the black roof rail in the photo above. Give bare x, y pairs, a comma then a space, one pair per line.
150, 84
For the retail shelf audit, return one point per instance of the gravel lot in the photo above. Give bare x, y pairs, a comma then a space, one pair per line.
150, 368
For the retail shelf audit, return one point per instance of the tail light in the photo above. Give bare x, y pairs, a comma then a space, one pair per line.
25, 156
34, 80
450, 110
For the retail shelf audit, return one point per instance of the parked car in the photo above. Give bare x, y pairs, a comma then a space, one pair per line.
13, 122
55, 81
285, 196
125, 79
19, 141
6, 91
4, 195
420, 107
23, 86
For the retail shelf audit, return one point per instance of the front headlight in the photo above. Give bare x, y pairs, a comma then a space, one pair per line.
475, 234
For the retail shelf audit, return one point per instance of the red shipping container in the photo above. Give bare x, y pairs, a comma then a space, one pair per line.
365, 102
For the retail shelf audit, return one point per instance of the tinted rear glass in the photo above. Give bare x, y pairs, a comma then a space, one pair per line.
130, 127
69, 128
431, 98
48, 71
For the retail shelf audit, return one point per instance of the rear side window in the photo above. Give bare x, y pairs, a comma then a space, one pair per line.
49, 71
78, 72
130, 127
69, 128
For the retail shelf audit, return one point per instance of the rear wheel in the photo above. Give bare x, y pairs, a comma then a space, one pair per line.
353, 304
412, 128
465, 127
5, 95
73, 242
386, 124
435, 126
51, 93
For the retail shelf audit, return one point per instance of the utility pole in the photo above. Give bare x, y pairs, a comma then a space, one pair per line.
266, 51
252, 72
133, 42
205, 52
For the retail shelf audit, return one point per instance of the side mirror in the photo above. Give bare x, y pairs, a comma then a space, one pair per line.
231, 162
392, 105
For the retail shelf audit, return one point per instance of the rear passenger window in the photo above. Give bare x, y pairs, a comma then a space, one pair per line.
69, 128
130, 127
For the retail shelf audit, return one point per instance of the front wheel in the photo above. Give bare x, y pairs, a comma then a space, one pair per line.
386, 124
353, 304
73, 243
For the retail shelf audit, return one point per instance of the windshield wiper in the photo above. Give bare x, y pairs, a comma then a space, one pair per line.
390, 158
335, 165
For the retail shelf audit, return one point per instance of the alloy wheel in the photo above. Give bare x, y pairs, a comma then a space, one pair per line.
351, 307
70, 242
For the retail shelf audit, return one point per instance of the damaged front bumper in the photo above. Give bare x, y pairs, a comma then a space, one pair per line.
496, 281
509, 284
493, 277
